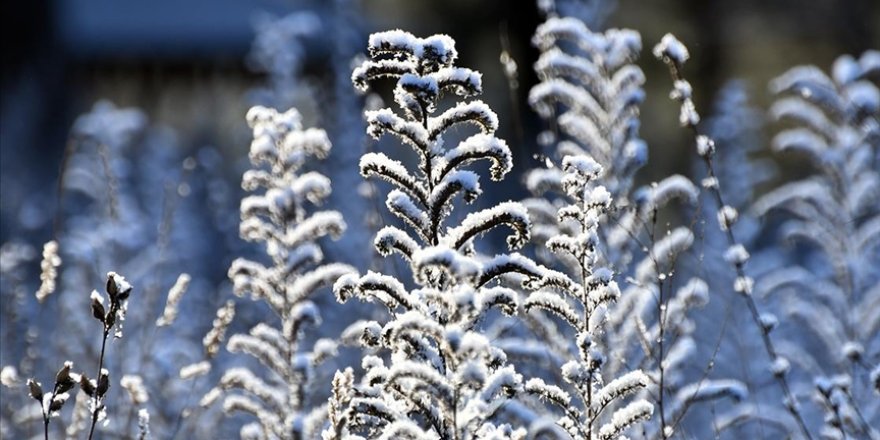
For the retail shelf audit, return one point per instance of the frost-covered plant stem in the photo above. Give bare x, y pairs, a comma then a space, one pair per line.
46, 414
444, 379
661, 321
593, 291
51, 406
674, 54
95, 410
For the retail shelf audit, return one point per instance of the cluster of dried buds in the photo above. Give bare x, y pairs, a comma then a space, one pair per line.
118, 290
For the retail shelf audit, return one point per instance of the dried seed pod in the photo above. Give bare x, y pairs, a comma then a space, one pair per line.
98, 310
86, 385
103, 383
35, 389
56, 405
111, 287
63, 380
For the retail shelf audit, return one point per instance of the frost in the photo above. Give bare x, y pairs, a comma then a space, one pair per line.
744, 285
671, 50
624, 418
727, 216
780, 366
195, 370
768, 321
480, 146
48, 270
713, 389
705, 146
175, 295
736, 255
672, 187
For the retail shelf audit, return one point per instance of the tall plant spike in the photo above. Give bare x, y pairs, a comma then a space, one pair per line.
834, 122
279, 216
674, 54
445, 379
581, 303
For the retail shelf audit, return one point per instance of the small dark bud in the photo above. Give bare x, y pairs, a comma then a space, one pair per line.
56, 405
36, 390
63, 381
98, 310
86, 385
123, 295
111, 287
111, 319
64, 373
103, 383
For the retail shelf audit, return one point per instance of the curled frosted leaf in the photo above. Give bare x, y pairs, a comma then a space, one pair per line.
511, 214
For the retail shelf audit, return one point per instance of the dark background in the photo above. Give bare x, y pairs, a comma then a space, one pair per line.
183, 63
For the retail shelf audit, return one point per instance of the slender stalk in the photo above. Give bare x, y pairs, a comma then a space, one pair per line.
662, 327
45, 412
715, 189
95, 409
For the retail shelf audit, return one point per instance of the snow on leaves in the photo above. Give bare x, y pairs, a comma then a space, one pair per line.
281, 218
444, 378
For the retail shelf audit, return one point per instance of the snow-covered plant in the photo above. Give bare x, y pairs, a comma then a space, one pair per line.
313, 74
831, 297
590, 79
51, 402
587, 407
442, 377
591, 90
280, 394
674, 54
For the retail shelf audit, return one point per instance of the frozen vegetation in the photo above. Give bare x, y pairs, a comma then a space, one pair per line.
725, 303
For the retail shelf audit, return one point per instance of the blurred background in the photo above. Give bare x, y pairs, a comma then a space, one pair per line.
157, 90
186, 65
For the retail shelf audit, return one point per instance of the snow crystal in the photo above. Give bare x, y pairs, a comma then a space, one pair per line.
546, 94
